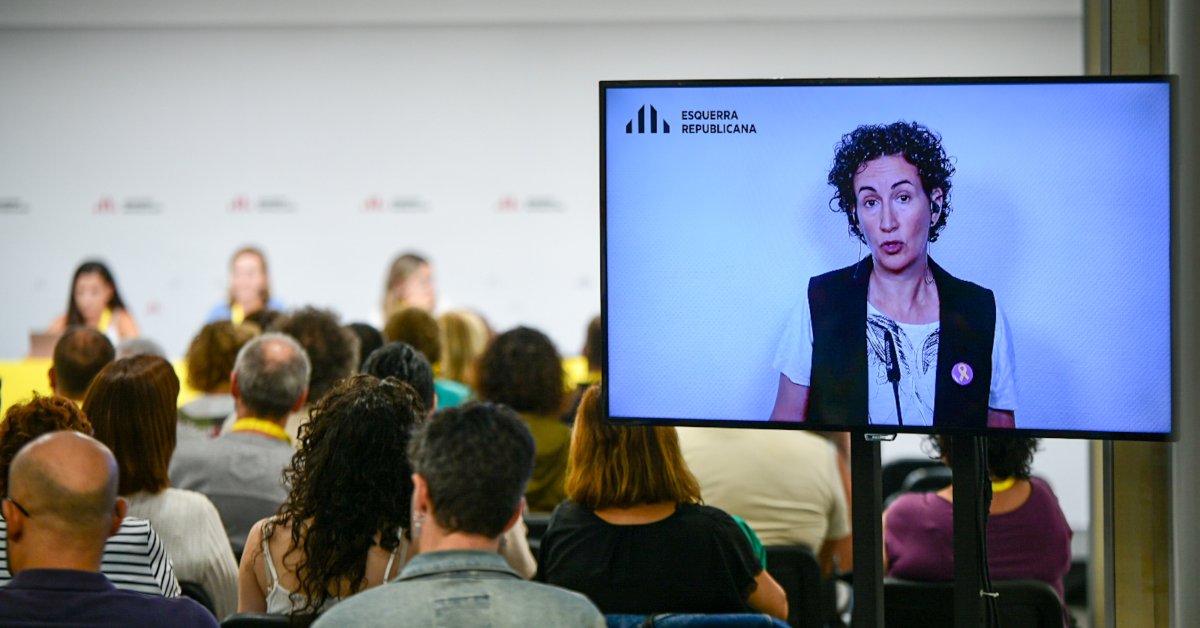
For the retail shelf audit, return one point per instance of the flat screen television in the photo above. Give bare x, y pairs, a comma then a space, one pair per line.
879, 256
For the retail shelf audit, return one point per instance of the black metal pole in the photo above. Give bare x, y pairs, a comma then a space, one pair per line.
968, 578
866, 491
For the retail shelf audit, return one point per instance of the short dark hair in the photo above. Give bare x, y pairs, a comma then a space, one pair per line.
403, 362
418, 328
332, 350
369, 339
78, 356
476, 460
1007, 456
522, 369
919, 146
268, 387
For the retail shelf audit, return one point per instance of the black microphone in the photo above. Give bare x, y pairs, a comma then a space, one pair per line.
893, 371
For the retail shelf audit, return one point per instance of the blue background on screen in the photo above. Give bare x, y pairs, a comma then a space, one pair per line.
1061, 205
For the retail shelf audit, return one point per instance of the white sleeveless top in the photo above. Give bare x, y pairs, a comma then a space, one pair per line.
280, 601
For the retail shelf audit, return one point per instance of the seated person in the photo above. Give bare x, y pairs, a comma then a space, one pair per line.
401, 361
786, 485
369, 339
95, 302
470, 467
522, 370
332, 350
416, 327
634, 537
464, 335
241, 470
249, 288
78, 356
210, 358
61, 508
133, 557
1027, 535
344, 525
132, 407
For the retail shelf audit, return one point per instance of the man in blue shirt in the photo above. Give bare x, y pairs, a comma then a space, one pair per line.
471, 464
61, 507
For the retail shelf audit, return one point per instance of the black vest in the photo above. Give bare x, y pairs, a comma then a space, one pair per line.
838, 389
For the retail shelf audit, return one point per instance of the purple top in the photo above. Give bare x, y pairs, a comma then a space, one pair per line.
63, 597
1033, 541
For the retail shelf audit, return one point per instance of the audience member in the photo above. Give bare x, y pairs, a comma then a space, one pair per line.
522, 369
133, 558
369, 339
401, 361
332, 351
470, 468
62, 507
409, 284
249, 288
139, 346
593, 354
131, 405
634, 537
78, 355
241, 470
418, 328
210, 358
784, 484
1027, 533
95, 302
463, 335
343, 527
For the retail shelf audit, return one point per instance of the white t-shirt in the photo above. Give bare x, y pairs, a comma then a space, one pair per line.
916, 350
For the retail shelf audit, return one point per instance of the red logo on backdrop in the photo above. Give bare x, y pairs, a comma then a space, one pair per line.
153, 308
105, 206
373, 204
239, 204
508, 203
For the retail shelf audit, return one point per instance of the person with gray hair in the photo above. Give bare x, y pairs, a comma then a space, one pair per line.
61, 507
241, 470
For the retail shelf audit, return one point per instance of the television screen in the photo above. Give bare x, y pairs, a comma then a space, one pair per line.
958, 255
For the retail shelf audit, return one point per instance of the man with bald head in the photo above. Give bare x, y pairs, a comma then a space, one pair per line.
241, 470
61, 507
78, 356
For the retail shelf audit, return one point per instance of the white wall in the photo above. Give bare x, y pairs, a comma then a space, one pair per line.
447, 108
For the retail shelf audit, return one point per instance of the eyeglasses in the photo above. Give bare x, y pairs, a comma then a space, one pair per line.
19, 506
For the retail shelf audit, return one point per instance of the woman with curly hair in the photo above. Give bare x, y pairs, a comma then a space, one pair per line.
938, 350
344, 526
522, 370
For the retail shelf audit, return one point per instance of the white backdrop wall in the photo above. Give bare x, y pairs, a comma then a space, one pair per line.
160, 142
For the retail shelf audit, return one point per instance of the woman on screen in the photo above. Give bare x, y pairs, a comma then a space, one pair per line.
937, 349
95, 302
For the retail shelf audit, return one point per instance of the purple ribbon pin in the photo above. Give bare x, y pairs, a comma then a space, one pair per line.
962, 374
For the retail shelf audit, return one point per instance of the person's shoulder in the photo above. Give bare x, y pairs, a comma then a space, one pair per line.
709, 516
135, 527
187, 501
915, 507
182, 612
557, 600
845, 272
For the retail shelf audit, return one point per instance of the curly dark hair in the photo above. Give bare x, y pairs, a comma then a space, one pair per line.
26, 421
332, 349
522, 370
920, 147
350, 482
1007, 456
211, 354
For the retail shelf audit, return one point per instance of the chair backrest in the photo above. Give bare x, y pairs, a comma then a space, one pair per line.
239, 513
927, 479
810, 598
197, 593
691, 620
1024, 603
893, 473
266, 620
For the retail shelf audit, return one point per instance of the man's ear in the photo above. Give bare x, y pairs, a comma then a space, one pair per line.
16, 522
516, 516
120, 509
234, 389
53, 380
420, 495
300, 402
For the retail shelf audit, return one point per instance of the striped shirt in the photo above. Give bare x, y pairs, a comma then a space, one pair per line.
134, 559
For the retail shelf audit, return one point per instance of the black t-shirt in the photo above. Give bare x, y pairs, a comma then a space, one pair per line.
695, 561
